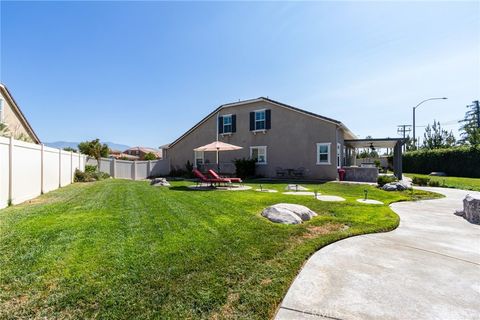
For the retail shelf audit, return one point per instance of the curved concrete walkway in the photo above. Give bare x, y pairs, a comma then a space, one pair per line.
427, 268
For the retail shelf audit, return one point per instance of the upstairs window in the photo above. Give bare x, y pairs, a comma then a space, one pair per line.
227, 123
260, 120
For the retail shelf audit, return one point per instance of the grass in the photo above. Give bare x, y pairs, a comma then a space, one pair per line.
452, 182
125, 250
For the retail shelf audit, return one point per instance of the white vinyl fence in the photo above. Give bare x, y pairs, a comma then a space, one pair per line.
133, 170
28, 170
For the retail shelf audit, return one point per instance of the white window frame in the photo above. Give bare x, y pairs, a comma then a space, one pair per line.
264, 148
264, 119
329, 145
198, 155
231, 123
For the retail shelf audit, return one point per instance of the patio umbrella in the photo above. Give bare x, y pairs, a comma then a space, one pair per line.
218, 146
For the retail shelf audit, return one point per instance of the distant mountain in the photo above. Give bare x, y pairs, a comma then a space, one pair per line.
64, 144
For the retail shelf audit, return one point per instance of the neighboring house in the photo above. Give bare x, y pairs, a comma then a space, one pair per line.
283, 139
140, 152
13, 120
117, 154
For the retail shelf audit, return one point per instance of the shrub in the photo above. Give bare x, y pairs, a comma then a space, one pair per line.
89, 175
383, 180
458, 162
150, 156
244, 168
377, 163
434, 183
90, 168
79, 176
420, 181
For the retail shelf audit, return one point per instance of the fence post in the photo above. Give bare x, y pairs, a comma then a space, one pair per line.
134, 173
42, 173
114, 168
59, 168
10, 171
71, 166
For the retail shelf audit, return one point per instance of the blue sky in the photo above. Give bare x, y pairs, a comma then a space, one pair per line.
142, 73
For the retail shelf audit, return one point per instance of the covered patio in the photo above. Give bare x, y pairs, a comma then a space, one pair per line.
368, 173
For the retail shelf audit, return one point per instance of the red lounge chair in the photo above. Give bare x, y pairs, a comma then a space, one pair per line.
202, 178
216, 176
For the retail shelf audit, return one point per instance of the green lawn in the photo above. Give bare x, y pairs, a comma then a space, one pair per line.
126, 250
452, 182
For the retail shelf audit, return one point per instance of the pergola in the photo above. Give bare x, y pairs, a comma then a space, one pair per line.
392, 143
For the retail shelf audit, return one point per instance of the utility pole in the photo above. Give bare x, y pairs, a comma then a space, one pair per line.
403, 130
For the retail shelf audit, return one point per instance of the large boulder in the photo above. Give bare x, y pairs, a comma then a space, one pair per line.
396, 186
159, 182
287, 213
471, 209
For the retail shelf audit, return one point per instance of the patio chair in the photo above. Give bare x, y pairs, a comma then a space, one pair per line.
203, 179
216, 176
280, 172
299, 172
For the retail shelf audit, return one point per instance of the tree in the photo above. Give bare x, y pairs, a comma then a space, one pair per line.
94, 149
70, 149
3, 129
150, 156
470, 126
437, 138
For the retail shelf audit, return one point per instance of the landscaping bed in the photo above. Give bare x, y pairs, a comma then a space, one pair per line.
127, 250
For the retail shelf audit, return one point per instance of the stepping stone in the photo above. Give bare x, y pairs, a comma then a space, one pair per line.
369, 201
330, 198
295, 187
300, 193
266, 190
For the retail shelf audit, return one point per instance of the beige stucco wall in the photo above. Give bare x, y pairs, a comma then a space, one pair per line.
15, 126
291, 141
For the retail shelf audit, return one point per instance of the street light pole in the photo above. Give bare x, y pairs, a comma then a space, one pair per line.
415, 108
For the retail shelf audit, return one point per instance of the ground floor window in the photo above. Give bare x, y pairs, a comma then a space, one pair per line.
323, 153
199, 160
259, 153
339, 155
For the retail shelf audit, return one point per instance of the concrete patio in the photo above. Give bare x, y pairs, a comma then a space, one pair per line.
428, 268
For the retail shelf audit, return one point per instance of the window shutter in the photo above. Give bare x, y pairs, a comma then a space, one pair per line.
220, 124
234, 123
252, 121
268, 119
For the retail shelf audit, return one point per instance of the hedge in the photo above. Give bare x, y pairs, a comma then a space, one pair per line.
455, 162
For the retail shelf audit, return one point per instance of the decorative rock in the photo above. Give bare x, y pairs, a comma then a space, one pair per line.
330, 198
369, 201
295, 187
288, 213
279, 215
396, 186
303, 212
159, 182
471, 209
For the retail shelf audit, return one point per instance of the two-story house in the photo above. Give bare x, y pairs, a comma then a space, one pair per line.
283, 139
12, 120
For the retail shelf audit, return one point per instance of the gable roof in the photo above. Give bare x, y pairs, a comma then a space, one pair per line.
260, 99
16, 109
